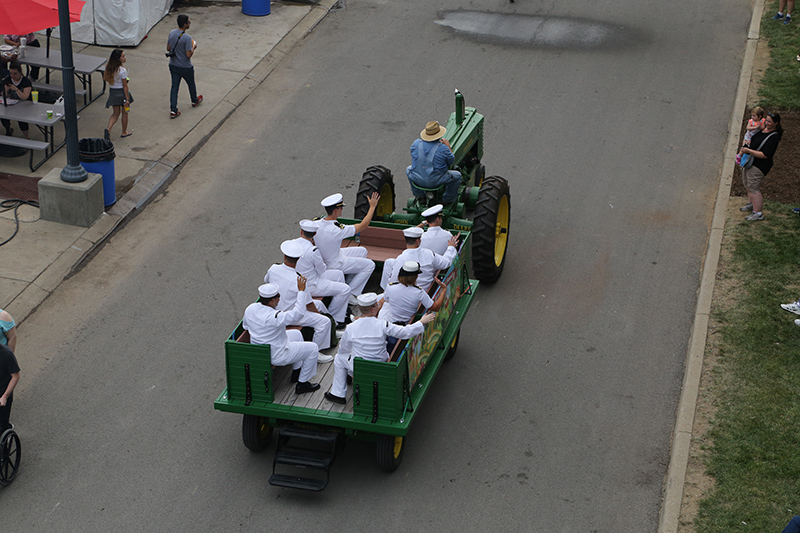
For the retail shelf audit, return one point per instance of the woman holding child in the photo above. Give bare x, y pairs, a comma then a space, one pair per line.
762, 147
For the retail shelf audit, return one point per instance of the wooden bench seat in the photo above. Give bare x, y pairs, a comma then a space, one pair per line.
381, 243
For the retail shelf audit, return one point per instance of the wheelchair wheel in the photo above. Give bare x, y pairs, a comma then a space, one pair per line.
10, 455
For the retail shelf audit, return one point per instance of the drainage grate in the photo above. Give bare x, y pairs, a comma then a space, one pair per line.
13, 186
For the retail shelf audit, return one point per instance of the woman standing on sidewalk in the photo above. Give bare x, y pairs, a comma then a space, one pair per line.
119, 97
765, 143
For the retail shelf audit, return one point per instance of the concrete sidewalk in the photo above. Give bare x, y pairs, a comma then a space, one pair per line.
235, 53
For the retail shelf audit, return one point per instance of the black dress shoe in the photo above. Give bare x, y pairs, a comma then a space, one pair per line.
335, 399
295, 376
305, 386
349, 379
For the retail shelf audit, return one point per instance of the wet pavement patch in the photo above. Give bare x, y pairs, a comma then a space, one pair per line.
535, 31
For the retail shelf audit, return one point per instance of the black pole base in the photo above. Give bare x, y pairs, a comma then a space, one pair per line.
74, 174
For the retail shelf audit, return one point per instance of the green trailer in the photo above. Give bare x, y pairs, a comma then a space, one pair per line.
383, 397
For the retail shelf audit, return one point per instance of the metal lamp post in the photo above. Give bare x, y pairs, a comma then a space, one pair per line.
73, 172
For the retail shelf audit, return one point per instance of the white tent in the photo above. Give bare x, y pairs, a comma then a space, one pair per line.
117, 22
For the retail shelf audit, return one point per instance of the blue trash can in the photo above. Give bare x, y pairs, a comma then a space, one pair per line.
97, 156
255, 8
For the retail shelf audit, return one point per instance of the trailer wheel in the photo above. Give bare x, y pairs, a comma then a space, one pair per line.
10, 455
390, 452
256, 432
451, 351
490, 229
375, 179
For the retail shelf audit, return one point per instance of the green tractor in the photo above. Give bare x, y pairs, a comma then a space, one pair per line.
483, 206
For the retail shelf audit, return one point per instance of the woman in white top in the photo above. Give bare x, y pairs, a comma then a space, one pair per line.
402, 298
119, 97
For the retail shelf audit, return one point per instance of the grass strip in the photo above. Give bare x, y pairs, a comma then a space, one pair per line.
780, 86
755, 429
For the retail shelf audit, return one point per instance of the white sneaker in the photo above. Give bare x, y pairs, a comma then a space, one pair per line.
793, 307
797, 321
322, 358
339, 333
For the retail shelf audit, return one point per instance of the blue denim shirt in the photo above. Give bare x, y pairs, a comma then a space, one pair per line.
442, 159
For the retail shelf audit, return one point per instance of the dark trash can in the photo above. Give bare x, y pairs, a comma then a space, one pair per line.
255, 8
97, 156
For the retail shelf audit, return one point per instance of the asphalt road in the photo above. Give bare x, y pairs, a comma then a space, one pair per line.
556, 413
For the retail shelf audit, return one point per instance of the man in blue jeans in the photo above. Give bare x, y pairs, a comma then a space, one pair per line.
180, 49
431, 157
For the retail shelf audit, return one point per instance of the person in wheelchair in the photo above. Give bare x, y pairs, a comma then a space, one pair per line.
431, 157
9, 377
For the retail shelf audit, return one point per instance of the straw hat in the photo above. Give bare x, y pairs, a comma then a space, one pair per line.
432, 132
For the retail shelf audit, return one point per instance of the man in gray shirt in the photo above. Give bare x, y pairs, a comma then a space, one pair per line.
180, 49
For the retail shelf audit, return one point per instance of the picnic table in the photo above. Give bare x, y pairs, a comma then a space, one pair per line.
34, 113
85, 67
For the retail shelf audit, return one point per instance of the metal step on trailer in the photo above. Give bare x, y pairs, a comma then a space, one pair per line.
305, 455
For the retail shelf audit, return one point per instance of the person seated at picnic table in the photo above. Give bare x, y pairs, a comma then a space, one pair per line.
366, 338
17, 87
267, 325
30, 40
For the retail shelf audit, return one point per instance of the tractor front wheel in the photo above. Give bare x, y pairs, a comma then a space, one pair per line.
376, 179
490, 229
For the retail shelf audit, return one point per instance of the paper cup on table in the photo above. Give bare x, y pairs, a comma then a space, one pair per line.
35, 96
23, 41
49, 113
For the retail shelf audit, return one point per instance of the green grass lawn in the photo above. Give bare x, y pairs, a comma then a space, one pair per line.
754, 457
781, 83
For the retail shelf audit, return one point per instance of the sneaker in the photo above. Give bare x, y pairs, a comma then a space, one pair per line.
748, 207
174, 114
788, 19
779, 16
796, 210
793, 307
198, 102
754, 217
339, 333
322, 358
797, 321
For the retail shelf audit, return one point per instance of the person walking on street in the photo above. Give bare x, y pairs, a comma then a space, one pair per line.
119, 96
789, 6
180, 49
765, 143
9, 377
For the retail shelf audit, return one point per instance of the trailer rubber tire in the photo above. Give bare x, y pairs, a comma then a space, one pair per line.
451, 351
490, 229
256, 433
10, 455
390, 452
375, 179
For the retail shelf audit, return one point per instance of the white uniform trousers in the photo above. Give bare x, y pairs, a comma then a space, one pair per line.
299, 354
321, 325
342, 366
331, 283
356, 267
388, 266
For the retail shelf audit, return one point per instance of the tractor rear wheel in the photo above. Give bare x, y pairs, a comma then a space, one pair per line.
490, 229
256, 432
380, 180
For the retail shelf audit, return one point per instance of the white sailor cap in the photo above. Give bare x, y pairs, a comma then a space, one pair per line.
334, 200
311, 226
435, 210
368, 299
410, 267
268, 290
291, 249
413, 232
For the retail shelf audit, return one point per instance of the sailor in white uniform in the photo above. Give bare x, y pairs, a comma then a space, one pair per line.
352, 261
366, 337
321, 280
428, 260
285, 276
267, 325
403, 297
436, 238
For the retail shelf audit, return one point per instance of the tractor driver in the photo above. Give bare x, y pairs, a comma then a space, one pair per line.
431, 156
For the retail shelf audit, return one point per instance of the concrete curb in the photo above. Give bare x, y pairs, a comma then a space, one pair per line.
682, 434
162, 172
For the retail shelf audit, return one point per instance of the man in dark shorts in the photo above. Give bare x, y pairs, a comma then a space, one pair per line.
9, 377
